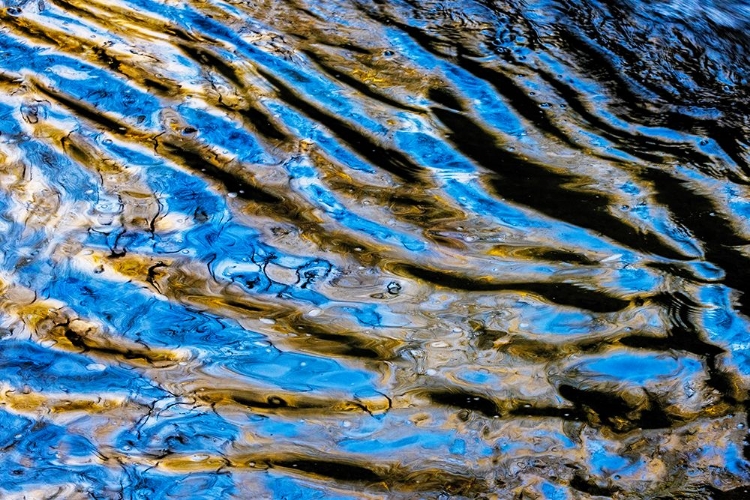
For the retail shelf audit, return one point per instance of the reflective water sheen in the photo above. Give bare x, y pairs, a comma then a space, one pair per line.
374, 249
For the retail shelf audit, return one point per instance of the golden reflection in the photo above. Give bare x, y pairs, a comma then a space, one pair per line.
27, 402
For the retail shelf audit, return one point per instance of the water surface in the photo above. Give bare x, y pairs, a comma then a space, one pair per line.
374, 249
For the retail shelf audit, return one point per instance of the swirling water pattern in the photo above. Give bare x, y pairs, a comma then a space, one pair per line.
374, 249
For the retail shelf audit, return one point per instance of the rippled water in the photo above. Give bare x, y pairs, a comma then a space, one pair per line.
374, 248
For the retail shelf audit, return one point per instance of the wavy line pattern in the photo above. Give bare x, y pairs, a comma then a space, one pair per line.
370, 249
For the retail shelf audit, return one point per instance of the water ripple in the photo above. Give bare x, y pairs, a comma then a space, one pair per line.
369, 249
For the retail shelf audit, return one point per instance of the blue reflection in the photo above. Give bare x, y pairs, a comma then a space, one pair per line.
179, 429
605, 462
221, 132
318, 195
147, 483
26, 364
638, 368
100, 88
288, 487
38, 455
555, 492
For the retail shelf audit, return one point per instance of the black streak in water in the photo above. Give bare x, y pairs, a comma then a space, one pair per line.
560, 293
394, 162
335, 470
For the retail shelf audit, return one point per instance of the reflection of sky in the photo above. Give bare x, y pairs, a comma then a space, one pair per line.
27, 364
99, 88
289, 487
158, 322
639, 368
604, 461
30, 454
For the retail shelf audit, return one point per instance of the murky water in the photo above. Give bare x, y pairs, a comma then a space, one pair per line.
374, 248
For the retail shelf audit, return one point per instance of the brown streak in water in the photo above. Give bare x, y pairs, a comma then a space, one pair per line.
72, 334
36, 403
279, 402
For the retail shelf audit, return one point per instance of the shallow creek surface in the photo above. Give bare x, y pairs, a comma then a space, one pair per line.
374, 249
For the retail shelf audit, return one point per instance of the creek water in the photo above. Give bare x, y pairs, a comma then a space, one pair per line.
374, 249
